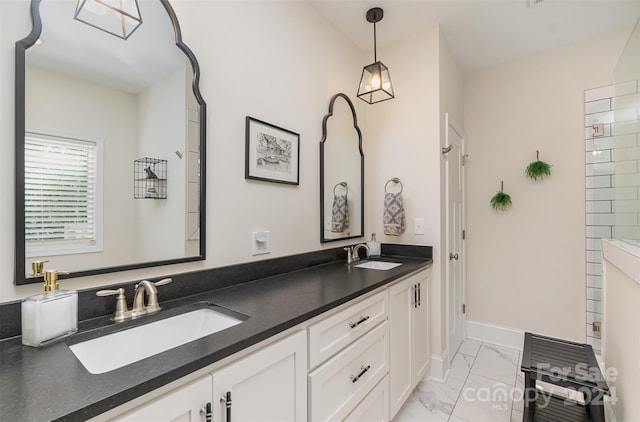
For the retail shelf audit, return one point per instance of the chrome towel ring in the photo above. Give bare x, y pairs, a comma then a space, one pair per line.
343, 184
394, 180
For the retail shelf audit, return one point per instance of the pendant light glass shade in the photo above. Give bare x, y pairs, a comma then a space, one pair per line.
375, 82
117, 17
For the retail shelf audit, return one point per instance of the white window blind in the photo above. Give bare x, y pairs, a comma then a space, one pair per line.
61, 180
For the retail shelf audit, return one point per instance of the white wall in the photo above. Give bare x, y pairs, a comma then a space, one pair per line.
404, 141
162, 130
526, 266
283, 70
67, 106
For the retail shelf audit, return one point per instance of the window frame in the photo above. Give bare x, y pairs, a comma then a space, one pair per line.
35, 249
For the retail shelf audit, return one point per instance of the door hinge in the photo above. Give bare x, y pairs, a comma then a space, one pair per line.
596, 327
464, 234
464, 308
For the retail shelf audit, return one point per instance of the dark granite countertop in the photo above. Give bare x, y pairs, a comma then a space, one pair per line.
51, 384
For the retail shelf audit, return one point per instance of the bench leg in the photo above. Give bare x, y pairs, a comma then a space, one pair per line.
594, 402
530, 397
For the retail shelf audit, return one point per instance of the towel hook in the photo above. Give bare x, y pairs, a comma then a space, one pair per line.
343, 184
394, 180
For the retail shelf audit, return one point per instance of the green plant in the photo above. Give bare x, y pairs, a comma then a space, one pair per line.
501, 201
538, 169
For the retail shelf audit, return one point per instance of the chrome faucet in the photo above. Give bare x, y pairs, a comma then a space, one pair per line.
352, 252
138, 308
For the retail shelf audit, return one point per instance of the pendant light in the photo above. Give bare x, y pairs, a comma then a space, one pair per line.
116, 17
375, 83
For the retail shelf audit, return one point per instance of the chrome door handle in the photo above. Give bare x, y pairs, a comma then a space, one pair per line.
453, 256
206, 412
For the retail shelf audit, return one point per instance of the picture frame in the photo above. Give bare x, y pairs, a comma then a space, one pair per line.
272, 153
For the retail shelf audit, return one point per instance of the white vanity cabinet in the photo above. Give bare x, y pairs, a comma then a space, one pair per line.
181, 405
358, 362
267, 385
409, 336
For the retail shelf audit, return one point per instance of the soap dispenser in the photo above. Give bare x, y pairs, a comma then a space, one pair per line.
374, 246
51, 315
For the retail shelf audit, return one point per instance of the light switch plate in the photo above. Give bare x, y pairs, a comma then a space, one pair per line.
418, 226
260, 242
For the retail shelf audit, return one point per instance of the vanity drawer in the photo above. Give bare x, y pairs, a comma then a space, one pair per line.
337, 387
331, 335
374, 407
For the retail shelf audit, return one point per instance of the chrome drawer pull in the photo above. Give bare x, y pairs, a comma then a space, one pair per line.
362, 372
362, 319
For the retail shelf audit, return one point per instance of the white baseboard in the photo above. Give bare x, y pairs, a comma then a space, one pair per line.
496, 334
439, 367
608, 412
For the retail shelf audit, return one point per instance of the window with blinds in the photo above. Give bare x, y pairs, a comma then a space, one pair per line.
61, 195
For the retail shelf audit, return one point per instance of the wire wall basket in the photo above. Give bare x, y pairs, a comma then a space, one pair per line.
150, 178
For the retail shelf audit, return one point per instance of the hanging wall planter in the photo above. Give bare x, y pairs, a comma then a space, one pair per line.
538, 169
501, 201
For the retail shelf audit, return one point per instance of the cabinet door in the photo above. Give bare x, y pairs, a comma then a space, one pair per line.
420, 331
180, 405
401, 299
268, 385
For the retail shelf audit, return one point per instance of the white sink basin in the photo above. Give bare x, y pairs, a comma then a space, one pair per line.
104, 354
378, 265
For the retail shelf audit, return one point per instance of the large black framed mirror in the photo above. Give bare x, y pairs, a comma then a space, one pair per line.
341, 173
110, 145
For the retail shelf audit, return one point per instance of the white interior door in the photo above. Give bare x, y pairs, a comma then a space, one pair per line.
454, 164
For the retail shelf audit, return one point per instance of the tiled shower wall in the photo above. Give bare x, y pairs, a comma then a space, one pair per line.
599, 171
612, 181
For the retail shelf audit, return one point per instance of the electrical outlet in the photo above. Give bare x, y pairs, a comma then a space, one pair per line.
261, 242
418, 226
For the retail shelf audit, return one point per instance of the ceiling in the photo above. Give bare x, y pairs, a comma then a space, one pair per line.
482, 33
74, 48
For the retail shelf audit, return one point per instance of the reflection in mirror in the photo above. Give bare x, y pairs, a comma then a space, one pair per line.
97, 117
341, 173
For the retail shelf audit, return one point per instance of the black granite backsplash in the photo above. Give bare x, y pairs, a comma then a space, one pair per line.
192, 283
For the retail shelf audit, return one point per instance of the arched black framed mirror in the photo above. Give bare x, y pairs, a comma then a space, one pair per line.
341, 173
110, 145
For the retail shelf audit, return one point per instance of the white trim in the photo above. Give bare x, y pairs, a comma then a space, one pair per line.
624, 256
439, 367
496, 334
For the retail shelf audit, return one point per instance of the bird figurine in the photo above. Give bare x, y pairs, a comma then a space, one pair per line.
150, 173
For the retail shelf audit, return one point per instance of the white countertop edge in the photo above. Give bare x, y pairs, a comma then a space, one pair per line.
624, 256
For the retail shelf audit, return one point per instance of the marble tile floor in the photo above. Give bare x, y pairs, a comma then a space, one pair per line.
484, 384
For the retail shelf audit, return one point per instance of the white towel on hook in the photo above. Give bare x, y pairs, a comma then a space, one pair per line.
339, 214
393, 217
